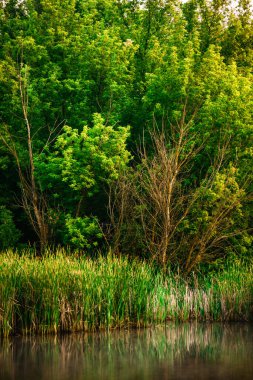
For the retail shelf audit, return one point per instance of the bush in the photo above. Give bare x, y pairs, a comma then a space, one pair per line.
9, 234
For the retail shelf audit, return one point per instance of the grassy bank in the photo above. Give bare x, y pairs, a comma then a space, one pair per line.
60, 293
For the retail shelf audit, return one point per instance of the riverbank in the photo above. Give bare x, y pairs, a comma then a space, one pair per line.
60, 293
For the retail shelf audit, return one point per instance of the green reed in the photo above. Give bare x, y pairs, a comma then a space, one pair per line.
62, 293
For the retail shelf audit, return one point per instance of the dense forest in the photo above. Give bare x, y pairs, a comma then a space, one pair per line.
127, 124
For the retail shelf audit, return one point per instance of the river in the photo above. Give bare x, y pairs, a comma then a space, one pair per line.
184, 351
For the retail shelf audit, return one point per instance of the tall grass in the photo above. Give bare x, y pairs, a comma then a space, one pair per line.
62, 293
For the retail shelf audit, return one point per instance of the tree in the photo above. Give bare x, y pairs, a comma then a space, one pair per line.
32, 199
163, 212
73, 170
138, 63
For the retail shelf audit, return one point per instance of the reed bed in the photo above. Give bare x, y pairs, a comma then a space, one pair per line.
60, 293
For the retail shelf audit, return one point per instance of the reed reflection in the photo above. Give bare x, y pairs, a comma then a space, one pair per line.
186, 351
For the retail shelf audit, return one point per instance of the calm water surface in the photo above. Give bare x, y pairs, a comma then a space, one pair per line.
187, 351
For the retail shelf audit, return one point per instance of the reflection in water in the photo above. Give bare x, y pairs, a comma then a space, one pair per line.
187, 351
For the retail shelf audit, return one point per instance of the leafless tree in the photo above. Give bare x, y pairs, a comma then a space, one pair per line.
155, 197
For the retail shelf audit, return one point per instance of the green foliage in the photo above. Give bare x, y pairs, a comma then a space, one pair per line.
73, 171
216, 221
82, 159
106, 63
9, 234
223, 195
82, 233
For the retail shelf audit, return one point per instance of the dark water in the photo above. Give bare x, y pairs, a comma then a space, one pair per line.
187, 351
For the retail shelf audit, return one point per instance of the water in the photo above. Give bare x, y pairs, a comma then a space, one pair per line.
187, 351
